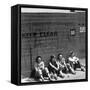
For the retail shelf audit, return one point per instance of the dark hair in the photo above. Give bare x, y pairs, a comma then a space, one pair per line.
58, 55
37, 58
51, 57
71, 52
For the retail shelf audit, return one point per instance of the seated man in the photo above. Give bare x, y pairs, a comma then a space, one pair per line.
54, 68
40, 70
74, 61
65, 67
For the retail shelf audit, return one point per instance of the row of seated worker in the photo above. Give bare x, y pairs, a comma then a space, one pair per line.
57, 67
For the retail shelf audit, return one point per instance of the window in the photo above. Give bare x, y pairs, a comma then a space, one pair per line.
82, 29
72, 32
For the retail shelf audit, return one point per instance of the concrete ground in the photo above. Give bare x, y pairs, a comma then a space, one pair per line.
79, 75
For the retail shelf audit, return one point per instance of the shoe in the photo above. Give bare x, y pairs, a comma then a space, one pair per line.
40, 80
72, 71
51, 79
83, 69
62, 76
55, 77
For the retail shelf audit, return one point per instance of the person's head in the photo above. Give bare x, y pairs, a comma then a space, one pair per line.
71, 54
38, 59
60, 56
52, 58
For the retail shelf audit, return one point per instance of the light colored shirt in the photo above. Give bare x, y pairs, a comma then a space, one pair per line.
73, 59
39, 65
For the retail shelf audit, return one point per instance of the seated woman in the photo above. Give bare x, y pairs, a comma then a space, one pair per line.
40, 70
65, 67
54, 68
74, 61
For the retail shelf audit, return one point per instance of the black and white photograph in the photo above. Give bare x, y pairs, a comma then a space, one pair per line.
53, 45
44, 45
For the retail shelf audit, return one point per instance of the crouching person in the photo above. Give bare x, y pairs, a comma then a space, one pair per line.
41, 72
54, 68
74, 62
65, 67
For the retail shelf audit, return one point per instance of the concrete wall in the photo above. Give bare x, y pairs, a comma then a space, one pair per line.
62, 23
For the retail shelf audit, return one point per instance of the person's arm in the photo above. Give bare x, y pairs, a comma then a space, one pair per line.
58, 65
76, 58
61, 65
63, 62
42, 65
71, 59
36, 66
53, 66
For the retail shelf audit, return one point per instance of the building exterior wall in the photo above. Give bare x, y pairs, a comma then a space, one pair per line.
46, 34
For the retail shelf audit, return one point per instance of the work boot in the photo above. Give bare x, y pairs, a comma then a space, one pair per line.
83, 69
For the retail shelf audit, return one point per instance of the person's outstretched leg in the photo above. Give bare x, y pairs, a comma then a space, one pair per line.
47, 73
71, 69
61, 74
39, 75
78, 65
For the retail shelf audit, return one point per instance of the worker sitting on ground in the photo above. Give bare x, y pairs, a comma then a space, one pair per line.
41, 72
74, 62
65, 67
54, 68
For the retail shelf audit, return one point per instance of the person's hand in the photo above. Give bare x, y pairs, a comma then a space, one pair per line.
74, 62
56, 69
